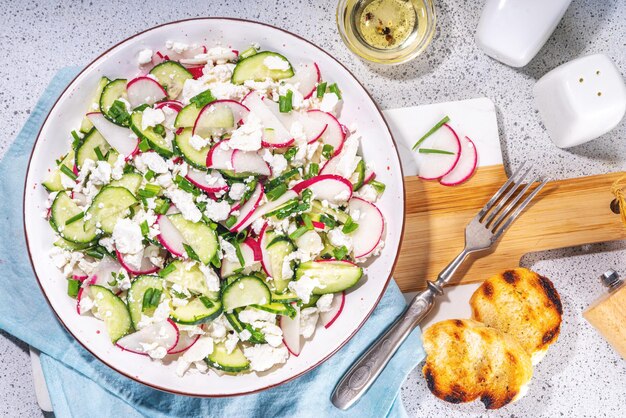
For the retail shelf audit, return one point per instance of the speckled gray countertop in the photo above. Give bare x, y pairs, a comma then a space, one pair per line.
581, 376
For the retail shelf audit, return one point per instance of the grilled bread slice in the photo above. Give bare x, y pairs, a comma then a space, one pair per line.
523, 304
467, 360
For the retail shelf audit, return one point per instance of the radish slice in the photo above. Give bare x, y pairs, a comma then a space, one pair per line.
336, 307
267, 207
369, 176
329, 187
334, 134
185, 342
146, 266
144, 90
311, 127
250, 252
291, 331
117, 136
465, 167
220, 156
318, 225
249, 162
306, 76
170, 237
345, 163
196, 71
265, 257
219, 115
275, 134
170, 110
84, 288
366, 237
164, 333
102, 274
172, 104
249, 207
211, 182
434, 166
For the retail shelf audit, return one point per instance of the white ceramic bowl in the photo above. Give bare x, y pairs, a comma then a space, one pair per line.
379, 150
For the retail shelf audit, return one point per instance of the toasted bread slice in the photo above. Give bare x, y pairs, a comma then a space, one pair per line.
523, 304
467, 360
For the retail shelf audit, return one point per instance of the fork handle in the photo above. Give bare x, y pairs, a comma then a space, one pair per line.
367, 368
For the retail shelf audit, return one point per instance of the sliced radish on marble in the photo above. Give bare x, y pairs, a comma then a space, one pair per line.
465, 167
366, 237
118, 137
249, 162
144, 90
329, 187
275, 134
291, 331
329, 317
164, 334
434, 166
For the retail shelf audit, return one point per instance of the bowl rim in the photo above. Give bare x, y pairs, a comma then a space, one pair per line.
316, 364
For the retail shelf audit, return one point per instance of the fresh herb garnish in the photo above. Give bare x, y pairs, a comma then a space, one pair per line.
285, 102
290, 153
72, 287
334, 88
328, 151
247, 53
340, 253
75, 218
119, 113
276, 192
230, 221
434, 151
149, 190
328, 221
190, 252
77, 140
151, 298
349, 226
380, 187
202, 99
321, 89
145, 229
314, 169
162, 206
149, 175
167, 270
206, 302
68, 172
432, 131
242, 262
159, 130
98, 154
144, 145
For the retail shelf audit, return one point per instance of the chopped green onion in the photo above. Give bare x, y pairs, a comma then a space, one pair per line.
149, 175
206, 302
432, 131
328, 151
68, 172
202, 99
285, 102
241, 236
334, 88
95, 252
307, 221
151, 298
98, 153
284, 210
247, 53
128, 169
276, 192
321, 89
314, 169
307, 194
149, 190
349, 226
190, 252
72, 287
156, 297
298, 232
340, 253
380, 187
434, 151
186, 185
328, 221
242, 262
159, 130
141, 108
290, 153
75, 218
216, 261
282, 178
77, 140
144, 145
167, 270
162, 206
118, 112
230, 221
145, 229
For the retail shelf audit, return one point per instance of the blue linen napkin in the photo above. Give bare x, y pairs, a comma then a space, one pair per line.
82, 386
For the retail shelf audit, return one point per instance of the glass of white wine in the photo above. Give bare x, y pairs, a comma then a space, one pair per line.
386, 31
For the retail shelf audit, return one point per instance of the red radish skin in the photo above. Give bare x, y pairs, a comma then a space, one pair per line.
318, 225
81, 292
329, 318
265, 262
326, 187
240, 112
144, 90
184, 343
146, 266
170, 237
333, 134
220, 158
249, 207
120, 342
465, 166
441, 164
268, 207
196, 177
256, 249
172, 104
307, 76
291, 332
371, 227
196, 71
281, 136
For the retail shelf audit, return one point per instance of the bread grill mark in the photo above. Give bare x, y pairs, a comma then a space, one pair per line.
458, 395
510, 276
487, 290
551, 293
459, 323
488, 401
551, 335
430, 381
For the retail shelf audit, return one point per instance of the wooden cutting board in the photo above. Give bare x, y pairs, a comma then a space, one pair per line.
566, 212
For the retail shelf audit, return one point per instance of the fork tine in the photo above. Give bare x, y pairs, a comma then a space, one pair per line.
518, 183
519, 209
497, 195
510, 206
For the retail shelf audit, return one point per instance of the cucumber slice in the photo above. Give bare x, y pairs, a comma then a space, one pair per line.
234, 362
129, 181
191, 155
190, 278
94, 105
134, 299
246, 290
334, 276
53, 182
279, 248
171, 76
234, 321
113, 311
318, 208
199, 310
198, 235
87, 150
187, 116
279, 308
285, 297
69, 246
312, 302
109, 206
113, 91
78, 232
255, 68
220, 116
161, 144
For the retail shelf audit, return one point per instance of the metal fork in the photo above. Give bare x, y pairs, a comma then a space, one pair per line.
481, 233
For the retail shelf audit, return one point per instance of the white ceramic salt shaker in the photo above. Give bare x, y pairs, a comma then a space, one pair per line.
581, 100
513, 31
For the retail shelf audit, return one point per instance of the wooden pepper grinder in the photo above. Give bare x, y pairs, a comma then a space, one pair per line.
608, 314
